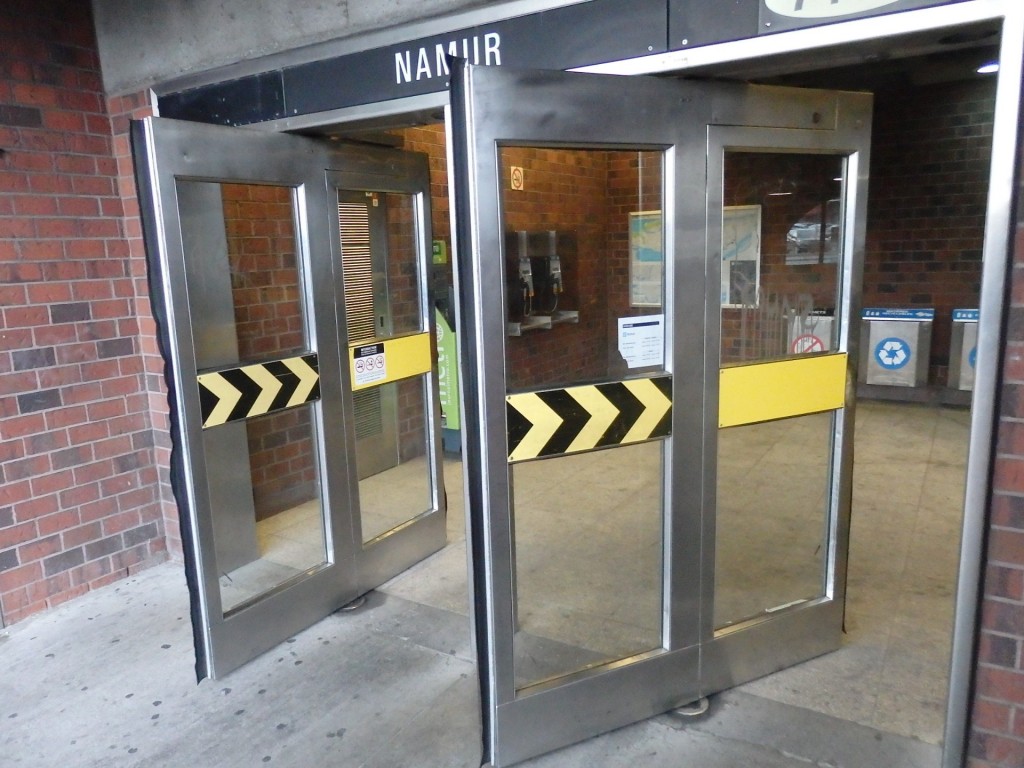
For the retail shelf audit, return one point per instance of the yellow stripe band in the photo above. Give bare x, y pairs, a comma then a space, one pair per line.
381, 362
749, 394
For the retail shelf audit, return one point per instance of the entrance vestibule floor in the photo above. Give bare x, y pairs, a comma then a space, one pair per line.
107, 679
891, 672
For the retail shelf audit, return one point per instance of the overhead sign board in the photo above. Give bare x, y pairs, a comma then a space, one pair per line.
570, 36
561, 38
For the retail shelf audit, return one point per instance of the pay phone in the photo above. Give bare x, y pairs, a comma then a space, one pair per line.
535, 279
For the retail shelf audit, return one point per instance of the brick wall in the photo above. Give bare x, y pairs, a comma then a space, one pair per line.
268, 326
929, 177
997, 721
81, 503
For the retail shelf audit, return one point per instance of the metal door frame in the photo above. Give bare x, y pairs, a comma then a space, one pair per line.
677, 118
170, 151
734, 656
842, 35
406, 173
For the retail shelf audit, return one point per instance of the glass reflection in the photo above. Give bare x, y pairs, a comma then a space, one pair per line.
772, 504
380, 266
395, 494
584, 280
781, 238
588, 563
282, 502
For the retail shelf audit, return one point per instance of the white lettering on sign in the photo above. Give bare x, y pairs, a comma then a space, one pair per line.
823, 9
424, 64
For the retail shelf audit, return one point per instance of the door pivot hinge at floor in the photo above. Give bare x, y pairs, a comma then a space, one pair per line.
355, 605
694, 709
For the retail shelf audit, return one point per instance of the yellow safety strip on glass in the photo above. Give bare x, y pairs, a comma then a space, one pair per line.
558, 421
253, 390
381, 362
749, 394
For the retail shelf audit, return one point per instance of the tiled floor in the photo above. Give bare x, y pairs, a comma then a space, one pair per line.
105, 680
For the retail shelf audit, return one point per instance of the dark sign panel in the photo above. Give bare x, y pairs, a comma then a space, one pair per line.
693, 23
235, 102
573, 36
561, 38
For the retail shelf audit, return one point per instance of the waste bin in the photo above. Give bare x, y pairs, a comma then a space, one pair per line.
895, 346
963, 349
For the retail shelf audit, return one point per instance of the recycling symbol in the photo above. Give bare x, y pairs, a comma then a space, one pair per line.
892, 353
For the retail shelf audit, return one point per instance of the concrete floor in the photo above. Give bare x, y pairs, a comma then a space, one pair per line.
107, 679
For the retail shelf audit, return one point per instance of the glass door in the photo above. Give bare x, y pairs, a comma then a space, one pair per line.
248, 267
785, 227
592, 216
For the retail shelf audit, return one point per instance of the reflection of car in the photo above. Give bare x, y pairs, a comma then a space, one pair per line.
805, 235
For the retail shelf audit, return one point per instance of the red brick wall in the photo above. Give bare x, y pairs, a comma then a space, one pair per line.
997, 721
81, 502
929, 177
430, 140
269, 325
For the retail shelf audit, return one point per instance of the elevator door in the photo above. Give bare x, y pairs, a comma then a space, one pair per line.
303, 405
659, 476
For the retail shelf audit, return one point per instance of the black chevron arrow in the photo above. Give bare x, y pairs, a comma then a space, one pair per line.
289, 382
574, 418
664, 427
250, 392
517, 426
630, 409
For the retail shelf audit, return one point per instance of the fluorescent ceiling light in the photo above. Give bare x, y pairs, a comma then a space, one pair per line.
988, 68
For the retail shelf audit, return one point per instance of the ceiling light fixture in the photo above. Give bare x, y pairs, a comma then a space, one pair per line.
988, 68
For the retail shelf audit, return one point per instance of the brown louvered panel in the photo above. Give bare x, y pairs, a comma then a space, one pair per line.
357, 267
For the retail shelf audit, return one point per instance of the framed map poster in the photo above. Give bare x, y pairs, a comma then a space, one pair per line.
646, 260
741, 255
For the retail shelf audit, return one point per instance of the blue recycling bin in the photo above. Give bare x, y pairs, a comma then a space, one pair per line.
963, 349
895, 346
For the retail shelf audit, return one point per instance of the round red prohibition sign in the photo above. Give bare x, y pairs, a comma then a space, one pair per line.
360, 366
807, 342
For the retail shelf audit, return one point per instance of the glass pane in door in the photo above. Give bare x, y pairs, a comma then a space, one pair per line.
384, 300
247, 304
781, 238
584, 280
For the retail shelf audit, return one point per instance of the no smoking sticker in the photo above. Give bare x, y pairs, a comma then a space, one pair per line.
369, 364
807, 342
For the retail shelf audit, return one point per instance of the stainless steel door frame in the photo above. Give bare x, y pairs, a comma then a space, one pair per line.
637, 113
174, 151
768, 643
496, 108
173, 159
386, 171
376, 419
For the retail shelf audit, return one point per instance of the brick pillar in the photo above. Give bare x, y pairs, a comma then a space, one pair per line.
997, 720
80, 501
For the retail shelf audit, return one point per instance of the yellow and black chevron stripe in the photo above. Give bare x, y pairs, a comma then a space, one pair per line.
558, 421
253, 390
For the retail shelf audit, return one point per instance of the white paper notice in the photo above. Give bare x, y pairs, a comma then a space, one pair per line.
642, 340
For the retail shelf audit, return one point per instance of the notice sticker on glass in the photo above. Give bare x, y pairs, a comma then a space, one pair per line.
368, 364
642, 340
